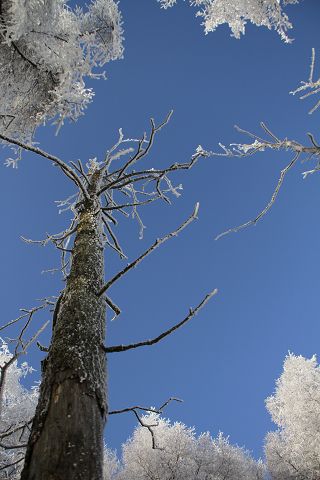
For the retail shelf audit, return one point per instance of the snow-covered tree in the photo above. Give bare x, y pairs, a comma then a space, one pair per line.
181, 455
46, 51
18, 406
266, 13
293, 451
111, 464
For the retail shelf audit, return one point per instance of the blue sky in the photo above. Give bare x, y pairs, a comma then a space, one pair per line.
224, 362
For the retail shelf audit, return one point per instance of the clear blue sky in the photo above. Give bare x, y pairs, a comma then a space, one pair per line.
224, 362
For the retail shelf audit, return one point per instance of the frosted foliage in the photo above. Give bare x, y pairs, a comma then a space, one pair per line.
236, 13
111, 464
46, 50
18, 408
293, 451
182, 456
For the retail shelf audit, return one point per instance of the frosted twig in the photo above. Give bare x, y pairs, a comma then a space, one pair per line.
28, 312
61, 203
143, 152
109, 159
109, 199
106, 242
113, 220
61, 269
283, 172
152, 174
125, 205
134, 211
64, 167
149, 427
261, 144
145, 254
122, 348
81, 170
116, 245
52, 238
310, 84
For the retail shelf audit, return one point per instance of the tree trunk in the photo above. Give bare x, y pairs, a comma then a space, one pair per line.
66, 441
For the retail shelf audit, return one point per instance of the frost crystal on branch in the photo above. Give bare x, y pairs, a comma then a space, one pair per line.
310, 84
236, 13
46, 50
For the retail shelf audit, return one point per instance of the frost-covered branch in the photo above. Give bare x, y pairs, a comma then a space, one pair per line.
29, 312
145, 254
69, 172
145, 425
310, 84
125, 180
236, 14
123, 348
141, 152
243, 150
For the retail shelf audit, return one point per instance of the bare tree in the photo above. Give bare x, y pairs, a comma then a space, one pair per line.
66, 438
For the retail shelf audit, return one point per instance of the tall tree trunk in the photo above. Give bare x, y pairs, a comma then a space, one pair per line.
66, 441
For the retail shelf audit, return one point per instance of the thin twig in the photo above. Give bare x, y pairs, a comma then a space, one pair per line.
64, 167
283, 172
261, 144
145, 254
14, 463
11, 447
159, 411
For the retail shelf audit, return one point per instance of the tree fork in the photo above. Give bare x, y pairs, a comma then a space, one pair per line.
69, 420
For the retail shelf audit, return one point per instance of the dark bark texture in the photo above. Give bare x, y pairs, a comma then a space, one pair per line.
66, 441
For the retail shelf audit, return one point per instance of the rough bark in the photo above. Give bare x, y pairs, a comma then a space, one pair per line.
66, 440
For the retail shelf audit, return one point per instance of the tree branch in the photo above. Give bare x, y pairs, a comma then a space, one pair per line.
64, 167
283, 172
113, 307
13, 463
310, 84
260, 144
143, 152
159, 411
122, 348
11, 447
145, 254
